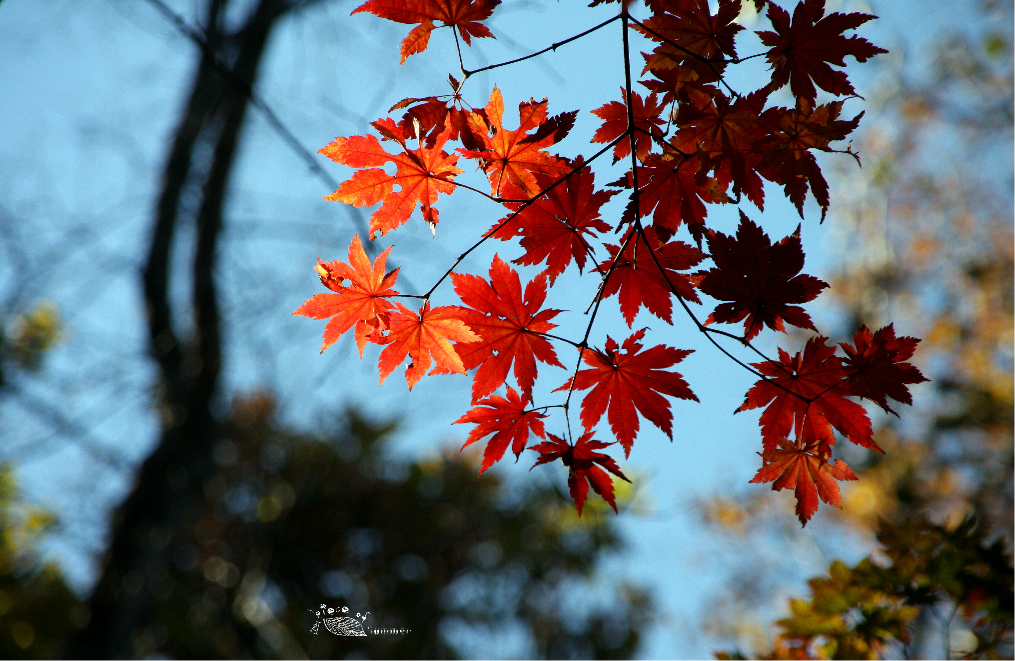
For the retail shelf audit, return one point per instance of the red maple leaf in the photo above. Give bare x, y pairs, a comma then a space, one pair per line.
726, 135
627, 380
423, 336
430, 114
462, 14
509, 422
511, 159
761, 280
711, 122
646, 118
361, 303
554, 227
581, 460
429, 111
638, 281
723, 146
508, 328
421, 174
876, 366
804, 392
675, 191
801, 52
804, 467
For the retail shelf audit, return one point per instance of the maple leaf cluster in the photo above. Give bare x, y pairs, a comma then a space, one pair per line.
693, 144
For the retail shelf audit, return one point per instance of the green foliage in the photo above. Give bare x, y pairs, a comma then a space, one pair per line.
863, 611
290, 521
37, 609
28, 336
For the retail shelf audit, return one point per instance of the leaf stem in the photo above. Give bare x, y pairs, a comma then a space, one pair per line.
576, 345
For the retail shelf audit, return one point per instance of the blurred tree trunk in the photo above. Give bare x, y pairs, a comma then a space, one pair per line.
169, 484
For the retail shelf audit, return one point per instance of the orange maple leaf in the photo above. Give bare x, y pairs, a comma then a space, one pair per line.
511, 158
361, 303
424, 336
462, 14
421, 174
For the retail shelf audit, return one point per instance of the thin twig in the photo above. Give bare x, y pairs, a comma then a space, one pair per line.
552, 47
510, 217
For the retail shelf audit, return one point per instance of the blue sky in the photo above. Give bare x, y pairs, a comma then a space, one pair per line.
93, 91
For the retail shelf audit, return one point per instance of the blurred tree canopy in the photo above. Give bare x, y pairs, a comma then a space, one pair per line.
25, 336
37, 609
871, 610
927, 228
289, 521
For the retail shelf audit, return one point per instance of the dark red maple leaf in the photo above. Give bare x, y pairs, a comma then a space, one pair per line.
803, 466
508, 328
761, 280
361, 303
815, 375
802, 51
427, 113
691, 31
646, 118
788, 159
638, 281
711, 122
876, 367
554, 227
511, 159
629, 381
669, 82
508, 420
581, 460
673, 190
462, 14
727, 135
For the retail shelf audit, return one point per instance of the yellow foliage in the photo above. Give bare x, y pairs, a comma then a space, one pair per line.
30, 335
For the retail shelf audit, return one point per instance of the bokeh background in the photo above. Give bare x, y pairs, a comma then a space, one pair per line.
160, 211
